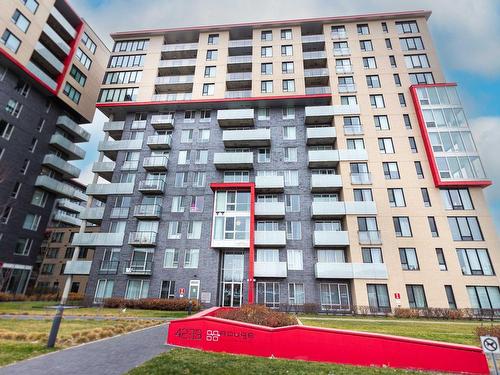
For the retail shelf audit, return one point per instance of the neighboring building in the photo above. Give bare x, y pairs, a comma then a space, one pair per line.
320, 161
51, 66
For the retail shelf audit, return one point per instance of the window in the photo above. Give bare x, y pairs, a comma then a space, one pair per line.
475, 262
425, 197
286, 50
296, 294
416, 296
381, 122
131, 45
167, 289
32, 5
194, 230
388, 43
287, 67
39, 198
266, 68
91, 46
31, 222
199, 179
201, 157
289, 133
290, 154
348, 100
191, 258
21, 21
266, 35
130, 76
104, 289
13, 108
10, 40
121, 61
378, 297
264, 155
450, 297
205, 116
72, 93
174, 230
441, 259
397, 80
78, 75
416, 61
87, 62
418, 169
56, 237
208, 89
407, 121
355, 144
334, 296
385, 146
118, 95
23, 246
373, 81
181, 179
178, 203
369, 63
377, 101
23, 88
363, 29
286, 34
407, 27
197, 203
292, 203
137, 289
293, 230
171, 259
213, 39
288, 113
392, 61
366, 45
266, 51
184, 157
457, 199
402, 100
268, 255
484, 297
411, 44
236, 176
266, 86
268, 294
433, 226
402, 226
421, 78
288, 85
391, 170
294, 260
7, 210
413, 145
211, 54
6, 130
32, 145
396, 197
210, 71
372, 255
363, 195
291, 178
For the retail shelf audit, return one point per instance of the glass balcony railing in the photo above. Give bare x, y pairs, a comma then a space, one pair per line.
361, 178
369, 237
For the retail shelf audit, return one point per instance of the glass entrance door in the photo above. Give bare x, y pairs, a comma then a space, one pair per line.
232, 279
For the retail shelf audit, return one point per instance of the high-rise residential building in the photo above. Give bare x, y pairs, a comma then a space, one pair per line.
323, 161
51, 68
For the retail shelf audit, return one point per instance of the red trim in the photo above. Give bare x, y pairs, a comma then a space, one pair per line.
428, 145
251, 254
224, 100
69, 57
425, 13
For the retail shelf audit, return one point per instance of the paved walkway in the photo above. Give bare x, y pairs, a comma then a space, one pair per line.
113, 356
80, 317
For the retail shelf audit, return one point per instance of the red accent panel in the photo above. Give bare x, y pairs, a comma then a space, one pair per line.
206, 332
251, 253
428, 146
69, 58
201, 101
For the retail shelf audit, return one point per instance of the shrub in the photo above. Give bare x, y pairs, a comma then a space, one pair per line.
174, 304
406, 313
488, 331
9, 297
258, 314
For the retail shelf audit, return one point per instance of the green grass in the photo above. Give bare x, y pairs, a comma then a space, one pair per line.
449, 331
39, 308
187, 361
17, 351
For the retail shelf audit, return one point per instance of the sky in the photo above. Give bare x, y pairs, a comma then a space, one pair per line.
466, 35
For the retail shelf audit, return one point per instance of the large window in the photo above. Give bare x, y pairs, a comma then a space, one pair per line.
191, 258
137, 289
334, 296
391, 170
465, 228
89, 43
484, 297
416, 296
475, 262
402, 226
416, 61
411, 44
118, 95
408, 257
10, 40
378, 297
78, 75
85, 60
396, 197
131, 45
125, 61
167, 289
103, 290
268, 294
171, 259
407, 27
372, 255
296, 295
21, 21
72, 93
457, 199
124, 77
295, 260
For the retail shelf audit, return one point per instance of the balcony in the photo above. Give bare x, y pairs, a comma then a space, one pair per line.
321, 136
172, 97
101, 191
361, 178
54, 186
162, 122
67, 219
111, 148
243, 59
176, 63
353, 130
147, 211
98, 239
324, 114
323, 158
338, 35
326, 210
135, 267
318, 72
347, 88
269, 184
159, 142
317, 38
235, 117
155, 163
325, 183
78, 267
236, 94
233, 160
53, 39
247, 137
60, 165
174, 80
314, 90
138, 125
270, 269
240, 43
314, 55
146, 239
346, 51
93, 215
68, 205
119, 213
270, 210
343, 69
334, 238
176, 47
104, 169
239, 76
66, 146
270, 238
353, 155
153, 186
80, 195
130, 165
50, 61
369, 237
114, 128
68, 125
61, 20
44, 77
350, 271
108, 267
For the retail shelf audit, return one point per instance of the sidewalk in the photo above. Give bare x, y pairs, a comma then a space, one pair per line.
113, 356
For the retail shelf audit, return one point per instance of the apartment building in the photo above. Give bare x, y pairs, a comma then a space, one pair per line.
51, 68
323, 161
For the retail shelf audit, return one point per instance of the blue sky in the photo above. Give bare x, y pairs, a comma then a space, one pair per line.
466, 34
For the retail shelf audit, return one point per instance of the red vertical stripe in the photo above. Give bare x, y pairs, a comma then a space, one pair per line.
69, 57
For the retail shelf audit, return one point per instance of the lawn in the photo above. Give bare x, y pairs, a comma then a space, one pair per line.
21, 339
187, 361
39, 308
460, 332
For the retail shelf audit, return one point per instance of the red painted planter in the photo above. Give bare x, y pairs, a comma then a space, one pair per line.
206, 332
